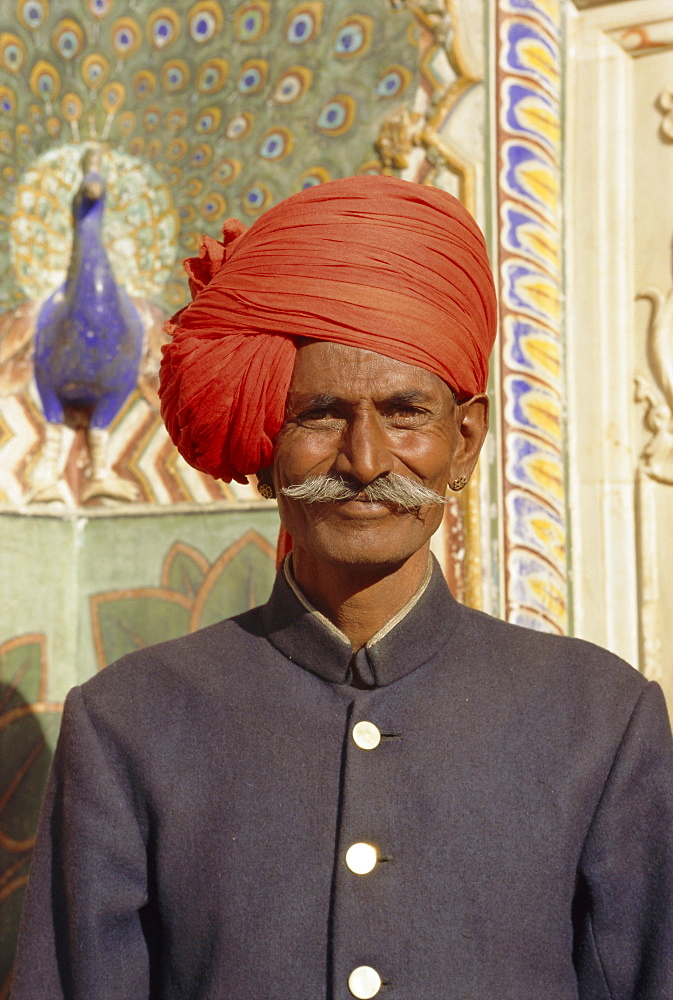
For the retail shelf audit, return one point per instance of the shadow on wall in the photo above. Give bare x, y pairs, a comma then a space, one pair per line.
28, 730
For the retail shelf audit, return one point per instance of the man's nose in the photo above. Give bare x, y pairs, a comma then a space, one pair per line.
365, 450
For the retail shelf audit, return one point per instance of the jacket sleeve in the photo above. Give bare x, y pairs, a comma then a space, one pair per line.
624, 903
81, 934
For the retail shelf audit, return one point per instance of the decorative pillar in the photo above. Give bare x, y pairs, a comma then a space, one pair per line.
533, 504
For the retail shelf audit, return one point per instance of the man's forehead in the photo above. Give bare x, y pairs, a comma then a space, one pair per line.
330, 369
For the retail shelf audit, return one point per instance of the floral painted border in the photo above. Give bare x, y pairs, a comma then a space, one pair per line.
531, 346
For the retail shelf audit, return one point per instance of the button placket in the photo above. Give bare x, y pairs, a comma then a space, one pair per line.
361, 941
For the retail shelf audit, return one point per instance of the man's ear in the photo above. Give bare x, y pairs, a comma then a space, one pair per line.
472, 420
265, 486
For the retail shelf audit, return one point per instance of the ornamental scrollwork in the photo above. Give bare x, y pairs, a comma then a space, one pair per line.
665, 102
656, 392
446, 76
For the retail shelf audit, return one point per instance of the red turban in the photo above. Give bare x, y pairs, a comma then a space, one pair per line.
372, 262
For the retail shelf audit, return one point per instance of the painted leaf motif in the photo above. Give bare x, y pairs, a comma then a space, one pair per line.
184, 570
28, 731
132, 619
240, 579
22, 670
12, 882
27, 737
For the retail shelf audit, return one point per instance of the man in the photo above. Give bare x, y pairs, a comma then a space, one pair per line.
362, 788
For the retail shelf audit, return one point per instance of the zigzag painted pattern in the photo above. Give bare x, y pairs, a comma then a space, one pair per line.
140, 450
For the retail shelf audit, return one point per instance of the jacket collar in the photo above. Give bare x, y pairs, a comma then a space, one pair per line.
415, 634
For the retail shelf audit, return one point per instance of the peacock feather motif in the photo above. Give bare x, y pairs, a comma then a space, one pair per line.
224, 107
198, 111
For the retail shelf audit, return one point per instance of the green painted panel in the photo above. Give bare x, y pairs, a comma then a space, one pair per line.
56, 569
240, 585
185, 574
132, 622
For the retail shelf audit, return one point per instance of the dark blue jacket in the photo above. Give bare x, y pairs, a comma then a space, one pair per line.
205, 791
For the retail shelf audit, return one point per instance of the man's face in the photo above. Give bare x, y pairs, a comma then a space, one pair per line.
360, 415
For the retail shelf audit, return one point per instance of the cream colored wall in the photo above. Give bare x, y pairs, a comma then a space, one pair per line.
619, 232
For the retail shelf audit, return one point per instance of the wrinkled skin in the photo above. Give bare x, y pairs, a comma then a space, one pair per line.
362, 415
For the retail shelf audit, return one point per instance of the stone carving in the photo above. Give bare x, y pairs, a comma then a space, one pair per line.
437, 16
399, 134
657, 393
665, 102
417, 139
445, 77
644, 36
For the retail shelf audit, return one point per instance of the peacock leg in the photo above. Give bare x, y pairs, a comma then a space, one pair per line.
48, 486
103, 482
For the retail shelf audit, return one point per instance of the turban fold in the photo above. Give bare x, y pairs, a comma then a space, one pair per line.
372, 262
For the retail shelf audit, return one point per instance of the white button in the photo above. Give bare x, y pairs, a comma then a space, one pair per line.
364, 982
366, 735
361, 858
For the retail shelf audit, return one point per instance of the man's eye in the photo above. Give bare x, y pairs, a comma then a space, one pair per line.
407, 413
318, 415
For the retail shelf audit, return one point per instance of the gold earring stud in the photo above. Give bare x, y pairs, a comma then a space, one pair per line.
458, 484
266, 491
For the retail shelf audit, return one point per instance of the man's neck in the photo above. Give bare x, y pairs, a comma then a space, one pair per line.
359, 600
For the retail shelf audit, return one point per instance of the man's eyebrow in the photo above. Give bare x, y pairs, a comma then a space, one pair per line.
409, 396
319, 400
323, 400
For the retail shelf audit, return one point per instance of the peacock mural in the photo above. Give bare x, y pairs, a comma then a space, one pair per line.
183, 115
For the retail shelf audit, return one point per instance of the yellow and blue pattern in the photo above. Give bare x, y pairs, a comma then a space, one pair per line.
530, 271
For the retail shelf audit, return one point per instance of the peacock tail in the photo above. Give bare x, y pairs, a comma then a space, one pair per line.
204, 110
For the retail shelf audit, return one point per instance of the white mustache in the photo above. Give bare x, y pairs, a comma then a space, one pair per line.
391, 488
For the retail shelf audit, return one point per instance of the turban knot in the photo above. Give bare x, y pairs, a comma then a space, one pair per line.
371, 262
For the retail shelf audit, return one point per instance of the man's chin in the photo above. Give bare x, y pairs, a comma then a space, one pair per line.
363, 542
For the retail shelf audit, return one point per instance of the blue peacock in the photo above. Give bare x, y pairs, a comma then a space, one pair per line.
88, 344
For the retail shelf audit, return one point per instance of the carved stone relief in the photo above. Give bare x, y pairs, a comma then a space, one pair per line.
619, 343
666, 106
655, 391
652, 144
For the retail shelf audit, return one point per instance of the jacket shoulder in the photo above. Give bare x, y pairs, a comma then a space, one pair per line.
561, 663
194, 662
